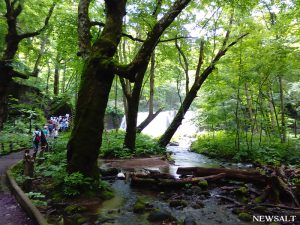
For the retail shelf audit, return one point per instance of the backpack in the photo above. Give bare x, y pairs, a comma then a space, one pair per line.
37, 138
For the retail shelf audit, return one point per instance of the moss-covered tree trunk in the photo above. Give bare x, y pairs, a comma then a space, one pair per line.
97, 78
96, 82
85, 140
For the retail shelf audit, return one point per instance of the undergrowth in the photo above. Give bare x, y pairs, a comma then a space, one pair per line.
112, 145
223, 145
55, 181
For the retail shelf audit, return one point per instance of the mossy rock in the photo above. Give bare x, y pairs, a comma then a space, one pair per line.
139, 206
82, 220
203, 183
178, 203
245, 217
160, 216
260, 209
72, 209
106, 194
258, 200
273, 223
242, 191
237, 211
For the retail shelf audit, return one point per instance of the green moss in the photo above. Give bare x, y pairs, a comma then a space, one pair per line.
260, 209
273, 223
82, 220
203, 183
107, 194
258, 200
72, 209
139, 205
245, 216
243, 190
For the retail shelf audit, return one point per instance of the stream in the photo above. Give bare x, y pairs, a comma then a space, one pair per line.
119, 210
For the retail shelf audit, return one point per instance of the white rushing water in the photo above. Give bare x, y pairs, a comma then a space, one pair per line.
159, 125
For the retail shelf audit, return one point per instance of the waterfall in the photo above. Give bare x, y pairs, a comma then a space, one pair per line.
160, 124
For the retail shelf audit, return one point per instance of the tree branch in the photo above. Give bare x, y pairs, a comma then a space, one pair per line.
32, 34
142, 58
200, 60
176, 38
19, 74
97, 23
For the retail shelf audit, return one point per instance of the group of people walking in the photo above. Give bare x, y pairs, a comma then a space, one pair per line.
39, 138
50, 130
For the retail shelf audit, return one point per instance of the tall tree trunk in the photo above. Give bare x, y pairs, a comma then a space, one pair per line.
151, 115
237, 119
282, 114
133, 109
56, 81
64, 78
48, 78
3, 102
56, 76
86, 138
184, 65
249, 105
134, 99
36, 70
96, 82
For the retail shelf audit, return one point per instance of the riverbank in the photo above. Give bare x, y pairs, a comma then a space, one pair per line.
258, 150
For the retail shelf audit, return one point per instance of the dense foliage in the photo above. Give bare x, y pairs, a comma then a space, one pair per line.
113, 146
222, 145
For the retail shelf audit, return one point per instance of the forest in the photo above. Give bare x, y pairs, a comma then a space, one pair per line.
145, 108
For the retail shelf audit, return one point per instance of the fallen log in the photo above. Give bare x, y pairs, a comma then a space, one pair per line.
153, 180
285, 193
155, 176
243, 175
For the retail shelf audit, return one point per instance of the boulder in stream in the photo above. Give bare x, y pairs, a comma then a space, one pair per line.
160, 216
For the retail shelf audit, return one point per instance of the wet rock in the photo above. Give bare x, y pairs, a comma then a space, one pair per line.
245, 217
107, 172
196, 190
178, 203
198, 205
205, 194
189, 221
174, 144
260, 209
160, 216
236, 211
